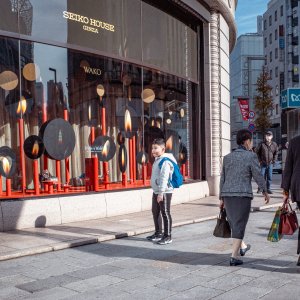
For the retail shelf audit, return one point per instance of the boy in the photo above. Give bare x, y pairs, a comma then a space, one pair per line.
162, 192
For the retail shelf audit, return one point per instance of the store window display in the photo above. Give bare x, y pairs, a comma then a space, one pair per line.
85, 120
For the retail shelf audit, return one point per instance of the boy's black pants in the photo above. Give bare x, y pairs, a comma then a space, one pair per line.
162, 207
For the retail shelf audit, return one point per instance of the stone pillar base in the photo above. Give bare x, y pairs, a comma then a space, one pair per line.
214, 185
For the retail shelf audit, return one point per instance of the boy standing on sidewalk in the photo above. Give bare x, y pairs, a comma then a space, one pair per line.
162, 171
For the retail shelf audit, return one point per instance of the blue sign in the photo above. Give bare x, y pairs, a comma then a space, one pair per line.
290, 98
251, 127
251, 114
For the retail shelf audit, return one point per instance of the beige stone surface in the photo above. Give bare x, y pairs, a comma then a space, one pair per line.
30, 213
83, 207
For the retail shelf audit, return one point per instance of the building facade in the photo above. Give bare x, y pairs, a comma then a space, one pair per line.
281, 40
85, 87
246, 63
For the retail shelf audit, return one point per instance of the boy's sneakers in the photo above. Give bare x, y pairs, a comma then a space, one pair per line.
165, 240
155, 237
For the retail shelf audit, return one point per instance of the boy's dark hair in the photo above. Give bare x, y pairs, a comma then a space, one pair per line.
160, 142
242, 136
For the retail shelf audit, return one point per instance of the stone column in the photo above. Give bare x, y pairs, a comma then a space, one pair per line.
215, 104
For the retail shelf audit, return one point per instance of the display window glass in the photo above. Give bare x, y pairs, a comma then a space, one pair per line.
76, 122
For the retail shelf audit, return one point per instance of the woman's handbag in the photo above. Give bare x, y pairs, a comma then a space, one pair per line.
222, 228
274, 235
288, 220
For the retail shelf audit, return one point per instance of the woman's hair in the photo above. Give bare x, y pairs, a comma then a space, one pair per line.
160, 142
242, 136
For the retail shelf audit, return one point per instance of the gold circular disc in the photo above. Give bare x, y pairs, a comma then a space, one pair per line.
8, 80
31, 72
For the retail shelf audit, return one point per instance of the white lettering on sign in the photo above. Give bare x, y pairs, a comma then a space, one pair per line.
284, 99
89, 21
93, 71
295, 98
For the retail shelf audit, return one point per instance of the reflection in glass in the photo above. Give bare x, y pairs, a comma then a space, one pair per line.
63, 90
8, 80
31, 72
148, 95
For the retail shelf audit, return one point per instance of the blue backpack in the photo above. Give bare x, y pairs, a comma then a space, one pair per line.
177, 179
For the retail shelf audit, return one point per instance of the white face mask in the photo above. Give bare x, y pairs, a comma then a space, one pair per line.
268, 138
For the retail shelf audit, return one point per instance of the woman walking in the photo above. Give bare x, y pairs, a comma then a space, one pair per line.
291, 178
239, 167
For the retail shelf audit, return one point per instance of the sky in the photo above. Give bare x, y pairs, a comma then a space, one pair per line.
246, 13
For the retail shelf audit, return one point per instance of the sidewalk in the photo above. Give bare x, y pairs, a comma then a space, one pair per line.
39, 240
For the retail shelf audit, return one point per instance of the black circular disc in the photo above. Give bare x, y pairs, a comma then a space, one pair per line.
59, 138
34, 147
121, 138
104, 147
172, 143
142, 157
122, 158
7, 162
183, 154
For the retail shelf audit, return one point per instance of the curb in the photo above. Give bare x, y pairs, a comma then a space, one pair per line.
260, 208
109, 237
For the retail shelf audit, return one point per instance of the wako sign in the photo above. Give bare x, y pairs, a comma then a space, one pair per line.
290, 98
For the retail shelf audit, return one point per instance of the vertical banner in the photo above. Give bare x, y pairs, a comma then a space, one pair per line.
244, 107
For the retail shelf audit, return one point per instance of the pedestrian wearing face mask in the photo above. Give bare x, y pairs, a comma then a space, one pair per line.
267, 153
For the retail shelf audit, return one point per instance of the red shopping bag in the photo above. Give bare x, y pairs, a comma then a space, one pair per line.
288, 220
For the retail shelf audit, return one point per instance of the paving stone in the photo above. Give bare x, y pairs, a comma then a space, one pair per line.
93, 272
154, 293
12, 292
198, 292
107, 293
48, 283
14, 280
228, 282
93, 283
244, 293
51, 294
273, 281
137, 284
183, 283
288, 291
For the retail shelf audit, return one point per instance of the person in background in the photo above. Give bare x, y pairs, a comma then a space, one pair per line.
267, 153
291, 178
239, 167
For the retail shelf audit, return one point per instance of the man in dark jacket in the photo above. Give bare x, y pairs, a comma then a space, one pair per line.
267, 153
291, 177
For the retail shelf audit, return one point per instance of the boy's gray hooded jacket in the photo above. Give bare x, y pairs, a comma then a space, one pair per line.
160, 177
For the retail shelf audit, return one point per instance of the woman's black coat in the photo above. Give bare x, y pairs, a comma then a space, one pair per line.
291, 173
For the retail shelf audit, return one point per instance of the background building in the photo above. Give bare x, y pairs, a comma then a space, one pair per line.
280, 39
109, 77
246, 63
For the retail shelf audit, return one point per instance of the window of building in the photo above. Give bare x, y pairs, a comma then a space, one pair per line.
271, 54
277, 90
265, 42
276, 53
265, 24
276, 34
271, 74
276, 72
275, 16
270, 38
276, 109
270, 20
281, 10
94, 108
